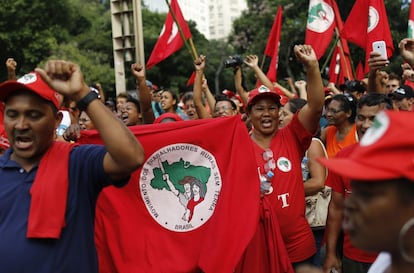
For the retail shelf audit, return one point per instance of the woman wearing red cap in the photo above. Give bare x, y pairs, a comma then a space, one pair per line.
379, 213
278, 154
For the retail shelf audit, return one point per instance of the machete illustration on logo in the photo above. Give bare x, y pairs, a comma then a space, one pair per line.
180, 185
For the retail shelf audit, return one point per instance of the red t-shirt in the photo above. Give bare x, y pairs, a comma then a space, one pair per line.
288, 197
342, 185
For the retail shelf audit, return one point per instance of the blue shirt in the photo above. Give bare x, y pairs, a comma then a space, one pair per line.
74, 251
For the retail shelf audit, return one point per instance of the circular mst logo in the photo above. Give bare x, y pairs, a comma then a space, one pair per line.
180, 185
373, 18
320, 17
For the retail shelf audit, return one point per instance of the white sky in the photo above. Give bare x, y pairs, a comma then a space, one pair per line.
156, 5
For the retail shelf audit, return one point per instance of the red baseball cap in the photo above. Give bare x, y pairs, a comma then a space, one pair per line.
32, 82
262, 92
386, 151
167, 116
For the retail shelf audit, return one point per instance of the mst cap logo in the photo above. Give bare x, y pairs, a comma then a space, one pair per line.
373, 18
28, 78
377, 130
321, 16
180, 185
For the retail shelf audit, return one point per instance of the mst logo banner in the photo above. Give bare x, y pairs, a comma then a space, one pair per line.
180, 185
192, 206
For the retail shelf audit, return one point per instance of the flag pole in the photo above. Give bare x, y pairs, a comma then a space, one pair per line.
328, 58
190, 46
341, 49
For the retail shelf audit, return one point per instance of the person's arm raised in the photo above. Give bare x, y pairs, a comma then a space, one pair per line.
376, 62
124, 152
211, 101
238, 84
407, 50
199, 65
253, 62
143, 93
11, 65
311, 113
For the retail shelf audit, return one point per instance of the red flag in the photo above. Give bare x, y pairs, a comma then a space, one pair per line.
340, 67
360, 74
374, 28
152, 225
320, 26
272, 47
340, 25
411, 21
191, 79
170, 40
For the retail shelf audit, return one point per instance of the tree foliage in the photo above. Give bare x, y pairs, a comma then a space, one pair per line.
251, 30
80, 30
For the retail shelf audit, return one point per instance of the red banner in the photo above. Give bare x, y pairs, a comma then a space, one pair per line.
272, 47
320, 26
193, 204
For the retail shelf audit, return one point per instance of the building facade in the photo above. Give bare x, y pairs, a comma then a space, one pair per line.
214, 18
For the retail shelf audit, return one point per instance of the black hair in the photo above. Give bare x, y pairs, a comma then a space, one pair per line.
373, 99
224, 98
296, 104
189, 95
174, 96
134, 101
354, 86
405, 189
348, 103
394, 76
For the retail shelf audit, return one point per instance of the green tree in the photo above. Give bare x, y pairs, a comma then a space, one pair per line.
251, 30
30, 29
80, 30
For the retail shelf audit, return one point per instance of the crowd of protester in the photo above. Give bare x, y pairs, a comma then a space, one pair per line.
299, 135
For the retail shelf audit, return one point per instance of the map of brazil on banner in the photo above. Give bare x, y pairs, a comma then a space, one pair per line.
193, 204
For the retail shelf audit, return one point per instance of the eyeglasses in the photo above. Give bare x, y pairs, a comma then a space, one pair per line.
222, 108
333, 111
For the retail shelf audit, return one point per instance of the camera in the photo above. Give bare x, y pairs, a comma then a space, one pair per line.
233, 61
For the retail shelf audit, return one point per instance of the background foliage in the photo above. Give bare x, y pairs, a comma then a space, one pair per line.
33, 31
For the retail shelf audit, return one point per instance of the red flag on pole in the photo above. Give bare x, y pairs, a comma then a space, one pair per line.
338, 67
320, 26
191, 206
411, 21
272, 47
190, 80
340, 26
364, 32
170, 39
346, 66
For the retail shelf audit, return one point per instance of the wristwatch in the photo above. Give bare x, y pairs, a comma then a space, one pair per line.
83, 103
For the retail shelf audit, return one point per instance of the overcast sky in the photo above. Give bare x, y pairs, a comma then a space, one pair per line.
156, 5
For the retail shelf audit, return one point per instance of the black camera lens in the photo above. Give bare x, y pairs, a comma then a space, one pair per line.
233, 61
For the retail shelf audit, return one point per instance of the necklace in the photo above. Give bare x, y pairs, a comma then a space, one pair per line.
269, 167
